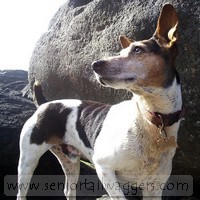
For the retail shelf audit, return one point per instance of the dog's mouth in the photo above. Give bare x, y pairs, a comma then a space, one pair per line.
101, 81
106, 82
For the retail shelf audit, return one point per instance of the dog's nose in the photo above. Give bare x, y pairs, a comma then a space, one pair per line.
96, 65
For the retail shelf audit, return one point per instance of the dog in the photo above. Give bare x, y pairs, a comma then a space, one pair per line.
132, 141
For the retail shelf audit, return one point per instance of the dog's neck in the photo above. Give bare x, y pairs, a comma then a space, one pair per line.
162, 100
167, 102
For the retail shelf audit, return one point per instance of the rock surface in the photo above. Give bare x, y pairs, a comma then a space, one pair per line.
14, 110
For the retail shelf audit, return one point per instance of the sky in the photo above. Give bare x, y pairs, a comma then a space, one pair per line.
22, 22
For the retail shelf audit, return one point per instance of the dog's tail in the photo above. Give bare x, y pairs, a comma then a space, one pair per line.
38, 97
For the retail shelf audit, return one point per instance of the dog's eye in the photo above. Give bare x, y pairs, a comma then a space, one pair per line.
137, 50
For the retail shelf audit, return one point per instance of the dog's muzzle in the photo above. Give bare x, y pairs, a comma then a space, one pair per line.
98, 67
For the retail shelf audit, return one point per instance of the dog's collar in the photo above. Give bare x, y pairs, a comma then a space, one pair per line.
162, 120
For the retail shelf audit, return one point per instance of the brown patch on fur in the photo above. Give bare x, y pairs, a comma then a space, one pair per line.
54, 140
150, 69
152, 65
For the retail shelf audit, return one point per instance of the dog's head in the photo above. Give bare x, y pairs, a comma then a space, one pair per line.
143, 64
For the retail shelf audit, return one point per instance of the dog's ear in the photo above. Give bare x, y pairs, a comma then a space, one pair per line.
125, 42
166, 31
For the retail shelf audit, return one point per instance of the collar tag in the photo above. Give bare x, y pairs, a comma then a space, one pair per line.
161, 128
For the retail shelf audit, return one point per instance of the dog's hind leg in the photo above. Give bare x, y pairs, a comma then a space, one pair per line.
29, 157
71, 166
28, 161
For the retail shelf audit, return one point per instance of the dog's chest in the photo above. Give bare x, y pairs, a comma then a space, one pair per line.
124, 144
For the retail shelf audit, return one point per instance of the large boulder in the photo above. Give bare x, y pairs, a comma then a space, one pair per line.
84, 31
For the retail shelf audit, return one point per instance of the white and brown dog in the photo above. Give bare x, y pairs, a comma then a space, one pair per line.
132, 141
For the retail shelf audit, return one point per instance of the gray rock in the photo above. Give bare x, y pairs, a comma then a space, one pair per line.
14, 109
84, 31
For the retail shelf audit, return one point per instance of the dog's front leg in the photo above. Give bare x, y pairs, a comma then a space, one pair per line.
109, 181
